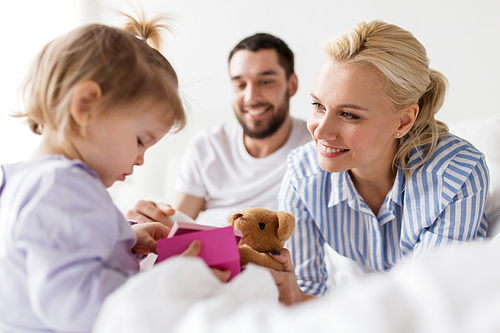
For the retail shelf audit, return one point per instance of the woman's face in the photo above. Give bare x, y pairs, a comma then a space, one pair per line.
352, 121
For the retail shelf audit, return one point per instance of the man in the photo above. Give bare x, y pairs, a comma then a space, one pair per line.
240, 164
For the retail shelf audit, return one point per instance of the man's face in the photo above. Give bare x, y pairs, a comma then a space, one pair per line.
261, 92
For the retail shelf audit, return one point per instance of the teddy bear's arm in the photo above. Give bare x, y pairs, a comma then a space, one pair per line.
247, 254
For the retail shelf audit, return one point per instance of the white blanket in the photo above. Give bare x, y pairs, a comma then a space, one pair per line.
165, 297
453, 290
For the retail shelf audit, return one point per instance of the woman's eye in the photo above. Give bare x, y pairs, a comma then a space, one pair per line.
316, 105
348, 115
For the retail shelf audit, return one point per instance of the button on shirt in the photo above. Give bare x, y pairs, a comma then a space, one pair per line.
442, 202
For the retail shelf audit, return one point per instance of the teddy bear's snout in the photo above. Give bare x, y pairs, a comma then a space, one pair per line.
262, 226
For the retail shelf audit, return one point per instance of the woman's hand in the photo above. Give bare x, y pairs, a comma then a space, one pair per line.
149, 211
147, 235
289, 290
194, 249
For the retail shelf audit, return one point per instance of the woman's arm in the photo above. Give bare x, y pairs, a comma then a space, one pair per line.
306, 244
463, 218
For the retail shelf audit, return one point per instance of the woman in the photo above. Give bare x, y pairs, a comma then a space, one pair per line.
382, 178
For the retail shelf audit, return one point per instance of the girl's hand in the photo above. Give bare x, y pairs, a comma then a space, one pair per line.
147, 235
289, 290
194, 249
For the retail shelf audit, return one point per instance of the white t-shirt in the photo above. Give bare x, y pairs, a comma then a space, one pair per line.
217, 167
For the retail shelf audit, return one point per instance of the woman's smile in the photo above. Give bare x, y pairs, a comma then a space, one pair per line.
330, 151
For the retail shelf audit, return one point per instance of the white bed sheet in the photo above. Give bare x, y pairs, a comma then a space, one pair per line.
453, 290
161, 299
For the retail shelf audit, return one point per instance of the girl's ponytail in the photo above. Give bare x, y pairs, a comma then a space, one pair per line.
148, 31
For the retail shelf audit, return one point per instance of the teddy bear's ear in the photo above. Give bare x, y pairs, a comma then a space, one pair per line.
232, 218
286, 226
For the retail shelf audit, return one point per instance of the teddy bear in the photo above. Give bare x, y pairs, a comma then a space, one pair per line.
263, 231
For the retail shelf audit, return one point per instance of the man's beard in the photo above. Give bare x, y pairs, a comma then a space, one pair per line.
274, 123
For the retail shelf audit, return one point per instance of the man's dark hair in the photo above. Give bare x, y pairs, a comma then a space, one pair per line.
265, 41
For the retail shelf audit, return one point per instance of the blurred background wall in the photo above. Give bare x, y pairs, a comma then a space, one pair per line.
461, 38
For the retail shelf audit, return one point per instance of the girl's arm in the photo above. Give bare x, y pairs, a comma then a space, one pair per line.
76, 245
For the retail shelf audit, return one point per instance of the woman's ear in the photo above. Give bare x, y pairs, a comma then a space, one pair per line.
407, 120
85, 97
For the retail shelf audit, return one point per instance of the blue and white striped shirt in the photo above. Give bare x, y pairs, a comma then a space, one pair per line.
442, 203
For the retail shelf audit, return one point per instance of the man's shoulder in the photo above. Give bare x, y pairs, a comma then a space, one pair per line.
217, 138
219, 133
299, 121
300, 134
300, 127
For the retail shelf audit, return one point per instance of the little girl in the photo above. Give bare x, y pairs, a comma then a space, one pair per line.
100, 97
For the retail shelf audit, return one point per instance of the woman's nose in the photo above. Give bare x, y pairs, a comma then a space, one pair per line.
326, 128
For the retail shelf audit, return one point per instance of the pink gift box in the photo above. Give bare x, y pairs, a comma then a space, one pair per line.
219, 246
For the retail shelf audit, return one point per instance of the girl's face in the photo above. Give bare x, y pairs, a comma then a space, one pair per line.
351, 120
117, 140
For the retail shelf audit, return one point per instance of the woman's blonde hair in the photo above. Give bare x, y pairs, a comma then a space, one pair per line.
402, 61
119, 60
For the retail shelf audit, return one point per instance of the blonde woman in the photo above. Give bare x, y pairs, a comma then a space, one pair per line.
382, 179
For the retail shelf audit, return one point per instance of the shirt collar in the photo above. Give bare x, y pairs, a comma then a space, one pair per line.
342, 188
395, 197
396, 194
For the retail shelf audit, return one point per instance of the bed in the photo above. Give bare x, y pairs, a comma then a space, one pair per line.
452, 290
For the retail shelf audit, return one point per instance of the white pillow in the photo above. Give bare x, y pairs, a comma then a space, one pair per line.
483, 133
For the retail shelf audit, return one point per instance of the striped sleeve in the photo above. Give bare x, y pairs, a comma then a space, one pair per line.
455, 198
306, 245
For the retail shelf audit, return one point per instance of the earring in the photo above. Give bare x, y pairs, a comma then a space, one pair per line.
397, 134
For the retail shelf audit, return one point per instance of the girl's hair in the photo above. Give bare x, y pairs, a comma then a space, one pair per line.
120, 61
402, 61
